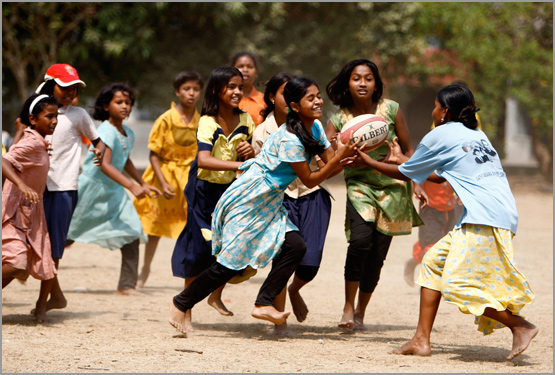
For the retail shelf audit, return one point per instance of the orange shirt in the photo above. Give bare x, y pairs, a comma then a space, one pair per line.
253, 104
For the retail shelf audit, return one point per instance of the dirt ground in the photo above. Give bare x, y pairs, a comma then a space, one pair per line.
101, 332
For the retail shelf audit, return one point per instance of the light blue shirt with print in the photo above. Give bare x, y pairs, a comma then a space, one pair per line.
468, 161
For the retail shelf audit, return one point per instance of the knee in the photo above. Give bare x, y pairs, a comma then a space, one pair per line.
295, 243
306, 273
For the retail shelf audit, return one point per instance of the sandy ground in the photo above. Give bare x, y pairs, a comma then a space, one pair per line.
102, 332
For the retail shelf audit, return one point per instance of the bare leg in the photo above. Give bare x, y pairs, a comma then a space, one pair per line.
410, 266
279, 304
363, 300
57, 299
347, 320
299, 306
150, 249
523, 331
40, 307
7, 275
270, 314
215, 300
188, 323
420, 342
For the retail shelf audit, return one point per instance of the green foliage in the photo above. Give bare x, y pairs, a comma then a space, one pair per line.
500, 49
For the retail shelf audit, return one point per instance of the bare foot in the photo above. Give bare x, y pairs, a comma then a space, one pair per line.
522, 336
180, 320
217, 303
129, 292
52, 304
40, 313
270, 314
414, 346
347, 321
299, 307
410, 266
281, 330
359, 322
141, 280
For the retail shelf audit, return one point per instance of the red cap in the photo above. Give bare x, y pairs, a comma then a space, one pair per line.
65, 75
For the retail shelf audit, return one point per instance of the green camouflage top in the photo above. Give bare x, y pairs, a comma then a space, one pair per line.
376, 197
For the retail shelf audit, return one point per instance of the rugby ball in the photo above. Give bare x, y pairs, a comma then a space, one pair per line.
371, 129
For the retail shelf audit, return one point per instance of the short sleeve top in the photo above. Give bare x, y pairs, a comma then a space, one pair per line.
211, 137
468, 161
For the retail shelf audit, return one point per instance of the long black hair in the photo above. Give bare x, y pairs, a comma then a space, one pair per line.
293, 92
218, 80
38, 108
105, 97
338, 88
460, 103
272, 86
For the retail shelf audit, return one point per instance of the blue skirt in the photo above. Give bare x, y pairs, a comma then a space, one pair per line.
58, 209
311, 214
193, 250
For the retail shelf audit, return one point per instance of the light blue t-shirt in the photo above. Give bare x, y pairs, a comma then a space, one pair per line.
468, 161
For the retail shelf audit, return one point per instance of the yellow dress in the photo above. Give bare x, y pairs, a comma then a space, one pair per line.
175, 142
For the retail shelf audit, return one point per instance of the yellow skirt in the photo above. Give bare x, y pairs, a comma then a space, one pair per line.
473, 268
160, 216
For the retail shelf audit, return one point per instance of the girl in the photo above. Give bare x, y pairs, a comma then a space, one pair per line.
25, 240
250, 224
378, 207
223, 137
472, 267
253, 100
60, 197
105, 215
308, 209
173, 147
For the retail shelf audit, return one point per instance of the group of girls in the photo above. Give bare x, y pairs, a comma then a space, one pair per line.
253, 198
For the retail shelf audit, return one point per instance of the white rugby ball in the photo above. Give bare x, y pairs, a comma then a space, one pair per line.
371, 129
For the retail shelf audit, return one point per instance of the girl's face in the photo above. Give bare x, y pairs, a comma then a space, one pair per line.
188, 93
438, 114
361, 83
279, 101
247, 68
119, 107
232, 93
65, 95
309, 108
47, 119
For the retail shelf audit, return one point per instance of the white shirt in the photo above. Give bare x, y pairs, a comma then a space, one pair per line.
73, 122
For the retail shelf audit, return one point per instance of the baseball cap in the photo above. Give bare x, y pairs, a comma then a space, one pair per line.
64, 74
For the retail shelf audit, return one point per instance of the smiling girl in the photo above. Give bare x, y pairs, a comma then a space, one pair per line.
223, 136
25, 240
250, 224
105, 215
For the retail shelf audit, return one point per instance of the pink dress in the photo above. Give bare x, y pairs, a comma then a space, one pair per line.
25, 241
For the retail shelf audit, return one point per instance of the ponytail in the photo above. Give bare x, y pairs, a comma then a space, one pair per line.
293, 92
460, 103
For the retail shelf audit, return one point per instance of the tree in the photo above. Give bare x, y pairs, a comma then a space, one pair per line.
506, 50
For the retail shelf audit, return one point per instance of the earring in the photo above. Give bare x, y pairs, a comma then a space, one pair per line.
272, 101
443, 119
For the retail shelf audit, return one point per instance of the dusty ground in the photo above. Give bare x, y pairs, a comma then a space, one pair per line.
102, 332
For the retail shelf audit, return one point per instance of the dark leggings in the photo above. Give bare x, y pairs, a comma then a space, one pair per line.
129, 265
283, 266
306, 273
366, 253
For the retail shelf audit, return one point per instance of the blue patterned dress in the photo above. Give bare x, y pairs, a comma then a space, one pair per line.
250, 222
